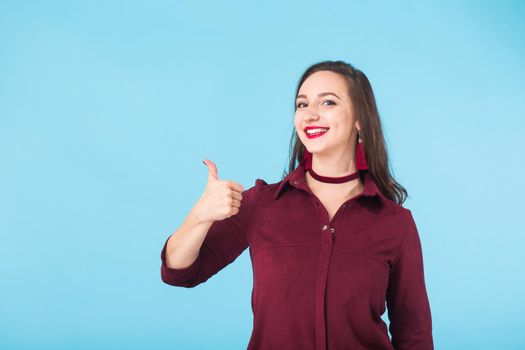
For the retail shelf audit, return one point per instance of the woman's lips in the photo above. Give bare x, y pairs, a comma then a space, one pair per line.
313, 136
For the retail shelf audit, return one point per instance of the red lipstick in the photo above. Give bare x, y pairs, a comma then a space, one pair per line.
321, 130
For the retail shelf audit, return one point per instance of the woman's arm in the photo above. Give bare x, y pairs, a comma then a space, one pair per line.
198, 250
407, 301
184, 244
201, 248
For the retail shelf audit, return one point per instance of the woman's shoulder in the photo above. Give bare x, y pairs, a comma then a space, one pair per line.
262, 188
393, 214
260, 183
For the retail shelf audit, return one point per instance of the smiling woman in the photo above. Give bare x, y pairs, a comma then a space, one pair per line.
331, 245
344, 104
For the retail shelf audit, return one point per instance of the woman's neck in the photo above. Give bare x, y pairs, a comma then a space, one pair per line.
345, 189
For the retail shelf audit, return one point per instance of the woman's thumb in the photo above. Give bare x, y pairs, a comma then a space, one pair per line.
212, 170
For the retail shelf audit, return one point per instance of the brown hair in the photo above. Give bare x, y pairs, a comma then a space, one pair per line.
366, 113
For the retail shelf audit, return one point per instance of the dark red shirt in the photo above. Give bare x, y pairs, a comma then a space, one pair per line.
319, 284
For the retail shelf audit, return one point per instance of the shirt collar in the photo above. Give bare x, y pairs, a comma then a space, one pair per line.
297, 178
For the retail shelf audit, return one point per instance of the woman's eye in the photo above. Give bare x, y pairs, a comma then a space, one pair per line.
302, 103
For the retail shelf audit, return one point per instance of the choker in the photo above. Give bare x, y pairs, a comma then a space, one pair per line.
333, 180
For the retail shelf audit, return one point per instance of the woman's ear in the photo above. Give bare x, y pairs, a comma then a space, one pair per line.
358, 127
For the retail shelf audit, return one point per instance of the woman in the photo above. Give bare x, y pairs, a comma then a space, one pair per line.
330, 243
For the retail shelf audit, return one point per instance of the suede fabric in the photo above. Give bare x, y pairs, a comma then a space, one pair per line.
319, 284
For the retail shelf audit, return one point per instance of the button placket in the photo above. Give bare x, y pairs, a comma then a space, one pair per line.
326, 241
320, 295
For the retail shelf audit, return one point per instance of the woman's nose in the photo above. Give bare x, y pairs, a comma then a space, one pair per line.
312, 113
312, 116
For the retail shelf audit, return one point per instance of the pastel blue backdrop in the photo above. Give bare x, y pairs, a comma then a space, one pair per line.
107, 109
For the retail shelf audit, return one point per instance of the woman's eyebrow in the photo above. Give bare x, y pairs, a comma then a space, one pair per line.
320, 95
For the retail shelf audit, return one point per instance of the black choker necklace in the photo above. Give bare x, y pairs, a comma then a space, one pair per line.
333, 180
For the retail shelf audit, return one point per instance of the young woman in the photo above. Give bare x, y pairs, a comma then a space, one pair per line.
330, 244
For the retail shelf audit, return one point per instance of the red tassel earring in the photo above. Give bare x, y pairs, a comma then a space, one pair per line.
307, 159
360, 158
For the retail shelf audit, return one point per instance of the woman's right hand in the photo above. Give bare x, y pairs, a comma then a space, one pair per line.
221, 198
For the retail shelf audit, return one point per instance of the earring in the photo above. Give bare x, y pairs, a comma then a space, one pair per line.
307, 159
360, 158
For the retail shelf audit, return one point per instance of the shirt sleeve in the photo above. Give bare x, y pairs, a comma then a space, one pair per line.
407, 301
225, 241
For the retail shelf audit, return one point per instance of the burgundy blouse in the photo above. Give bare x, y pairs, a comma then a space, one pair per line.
320, 284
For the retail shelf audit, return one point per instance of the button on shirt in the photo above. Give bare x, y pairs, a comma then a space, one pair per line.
321, 284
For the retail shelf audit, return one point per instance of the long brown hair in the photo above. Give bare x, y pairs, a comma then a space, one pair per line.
366, 113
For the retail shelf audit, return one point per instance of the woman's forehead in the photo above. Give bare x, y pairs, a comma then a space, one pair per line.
323, 81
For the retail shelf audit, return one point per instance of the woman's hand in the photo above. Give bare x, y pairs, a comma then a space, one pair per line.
221, 198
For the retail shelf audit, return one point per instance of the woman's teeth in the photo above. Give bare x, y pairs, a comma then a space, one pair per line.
316, 131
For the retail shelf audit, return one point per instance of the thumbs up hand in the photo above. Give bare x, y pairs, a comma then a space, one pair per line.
221, 198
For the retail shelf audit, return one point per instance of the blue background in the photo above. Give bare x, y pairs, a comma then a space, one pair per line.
107, 110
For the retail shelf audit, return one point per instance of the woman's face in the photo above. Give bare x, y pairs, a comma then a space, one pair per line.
316, 107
